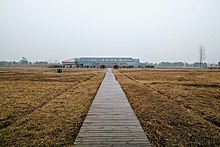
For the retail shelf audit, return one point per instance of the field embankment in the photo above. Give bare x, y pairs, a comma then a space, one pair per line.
41, 107
175, 107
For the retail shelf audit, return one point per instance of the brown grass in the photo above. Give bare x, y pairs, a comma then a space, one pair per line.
41, 107
175, 107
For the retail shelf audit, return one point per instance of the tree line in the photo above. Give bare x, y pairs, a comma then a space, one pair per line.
23, 61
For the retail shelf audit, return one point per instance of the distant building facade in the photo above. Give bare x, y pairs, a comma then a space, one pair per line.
97, 62
69, 63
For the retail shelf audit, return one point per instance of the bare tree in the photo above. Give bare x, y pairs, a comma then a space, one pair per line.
202, 56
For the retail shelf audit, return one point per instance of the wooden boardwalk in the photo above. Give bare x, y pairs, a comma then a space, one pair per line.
111, 121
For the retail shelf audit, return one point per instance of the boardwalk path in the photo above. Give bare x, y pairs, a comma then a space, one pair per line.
111, 120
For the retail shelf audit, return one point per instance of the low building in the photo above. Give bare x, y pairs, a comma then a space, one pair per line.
97, 62
69, 63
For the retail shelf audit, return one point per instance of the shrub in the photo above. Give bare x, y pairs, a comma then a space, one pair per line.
59, 70
116, 66
102, 66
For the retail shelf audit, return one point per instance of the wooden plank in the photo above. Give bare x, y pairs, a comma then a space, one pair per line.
112, 123
106, 134
109, 131
111, 120
137, 143
111, 145
117, 111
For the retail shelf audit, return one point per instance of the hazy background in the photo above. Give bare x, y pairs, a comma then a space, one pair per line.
152, 30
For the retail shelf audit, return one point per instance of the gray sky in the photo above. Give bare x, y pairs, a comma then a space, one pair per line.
152, 30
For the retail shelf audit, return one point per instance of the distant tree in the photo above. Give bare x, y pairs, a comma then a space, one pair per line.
219, 63
197, 64
3, 63
202, 56
14, 62
165, 64
178, 64
41, 62
24, 60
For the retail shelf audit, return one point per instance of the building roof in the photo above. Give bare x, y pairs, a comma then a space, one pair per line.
105, 58
69, 60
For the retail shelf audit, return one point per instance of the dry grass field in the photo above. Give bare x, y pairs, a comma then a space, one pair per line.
44, 108
175, 107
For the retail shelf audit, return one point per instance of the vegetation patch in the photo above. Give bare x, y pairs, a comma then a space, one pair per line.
175, 107
40, 107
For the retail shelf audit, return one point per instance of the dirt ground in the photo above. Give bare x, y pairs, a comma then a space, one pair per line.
175, 107
44, 108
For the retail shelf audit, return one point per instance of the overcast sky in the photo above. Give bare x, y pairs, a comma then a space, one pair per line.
151, 30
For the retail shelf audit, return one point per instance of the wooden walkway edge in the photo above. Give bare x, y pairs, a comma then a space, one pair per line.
111, 121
